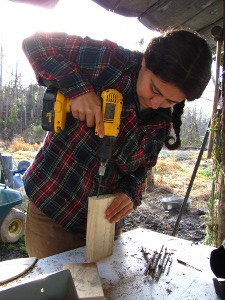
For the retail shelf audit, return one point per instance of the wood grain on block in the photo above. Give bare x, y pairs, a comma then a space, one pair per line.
100, 232
86, 280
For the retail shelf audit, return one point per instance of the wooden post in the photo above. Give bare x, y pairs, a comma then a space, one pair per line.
217, 32
100, 232
221, 213
7, 171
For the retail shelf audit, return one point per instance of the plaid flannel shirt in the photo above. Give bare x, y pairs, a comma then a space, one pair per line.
64, 172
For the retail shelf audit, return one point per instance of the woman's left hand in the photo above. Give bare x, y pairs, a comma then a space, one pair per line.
119, 208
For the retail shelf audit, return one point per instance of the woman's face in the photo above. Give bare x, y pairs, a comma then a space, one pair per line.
153, 92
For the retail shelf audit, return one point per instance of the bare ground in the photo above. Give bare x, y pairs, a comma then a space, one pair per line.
151, 215
171, 178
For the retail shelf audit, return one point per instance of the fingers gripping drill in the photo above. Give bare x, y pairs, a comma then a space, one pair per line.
56, 106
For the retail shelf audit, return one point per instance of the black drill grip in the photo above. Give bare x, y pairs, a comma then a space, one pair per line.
105, 148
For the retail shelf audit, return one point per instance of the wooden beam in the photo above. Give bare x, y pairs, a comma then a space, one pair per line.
86, 280
100, 233
221, 214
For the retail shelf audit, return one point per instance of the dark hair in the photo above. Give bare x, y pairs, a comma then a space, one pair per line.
184, 59
176, 120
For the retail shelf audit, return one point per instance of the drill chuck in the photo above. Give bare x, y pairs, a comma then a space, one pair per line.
102, 168
105, 152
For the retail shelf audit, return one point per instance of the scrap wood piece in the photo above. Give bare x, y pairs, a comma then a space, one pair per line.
145, 253
149, 263
13, 268
160, 265
166, 262
157, 263
170, 263
86, 280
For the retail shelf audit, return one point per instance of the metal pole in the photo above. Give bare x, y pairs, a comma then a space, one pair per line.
217, 32
191, 181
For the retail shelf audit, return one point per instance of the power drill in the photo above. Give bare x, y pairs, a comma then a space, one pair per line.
111, 110
56, 106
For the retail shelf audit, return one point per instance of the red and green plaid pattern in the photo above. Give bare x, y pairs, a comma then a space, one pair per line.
64, 173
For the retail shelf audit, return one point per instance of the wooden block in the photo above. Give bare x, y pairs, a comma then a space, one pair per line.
86, 280
100, 232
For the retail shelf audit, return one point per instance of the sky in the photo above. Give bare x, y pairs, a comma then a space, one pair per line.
79, 17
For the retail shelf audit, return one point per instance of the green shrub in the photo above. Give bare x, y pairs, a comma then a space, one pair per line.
23, 249
3, 246
206, 173
11, 247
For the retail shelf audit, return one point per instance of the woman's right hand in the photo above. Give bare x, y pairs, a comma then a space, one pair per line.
87, 108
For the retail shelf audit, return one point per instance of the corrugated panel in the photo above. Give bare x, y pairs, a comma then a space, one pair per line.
196, 15
199, 15
128, 8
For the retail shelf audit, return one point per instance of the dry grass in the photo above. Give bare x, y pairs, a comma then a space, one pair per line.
164, 167
19, 144
176, 174
19, 149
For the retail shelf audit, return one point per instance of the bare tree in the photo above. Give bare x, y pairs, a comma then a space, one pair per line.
194, 125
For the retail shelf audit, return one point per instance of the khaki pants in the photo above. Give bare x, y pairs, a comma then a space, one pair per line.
43, 237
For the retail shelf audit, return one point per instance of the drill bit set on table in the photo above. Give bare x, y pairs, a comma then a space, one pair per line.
157, 262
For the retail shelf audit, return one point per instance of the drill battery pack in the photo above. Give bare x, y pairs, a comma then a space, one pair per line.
55, 108
48, 113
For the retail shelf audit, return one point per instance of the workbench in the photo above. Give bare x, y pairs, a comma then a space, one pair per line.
122, 274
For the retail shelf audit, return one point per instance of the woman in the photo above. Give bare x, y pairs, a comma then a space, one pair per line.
175, 66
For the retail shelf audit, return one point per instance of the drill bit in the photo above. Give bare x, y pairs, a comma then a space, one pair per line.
187, 265
101, 173
99, 186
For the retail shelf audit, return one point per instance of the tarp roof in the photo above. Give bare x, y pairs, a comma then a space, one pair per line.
196, 15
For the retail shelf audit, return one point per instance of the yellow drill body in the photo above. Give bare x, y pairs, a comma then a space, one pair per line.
112, 103
56, 106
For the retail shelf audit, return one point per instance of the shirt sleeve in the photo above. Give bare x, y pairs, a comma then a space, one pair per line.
72, 62
143, 159
132, 185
